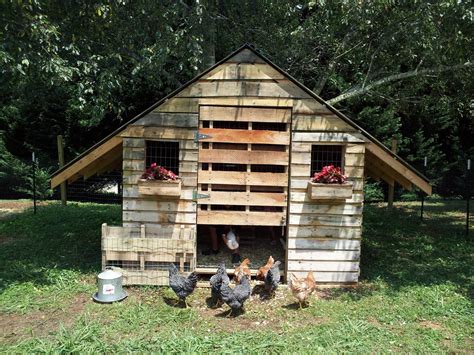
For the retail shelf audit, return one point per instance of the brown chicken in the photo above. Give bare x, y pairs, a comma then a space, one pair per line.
302, 287
262, 272
242, 269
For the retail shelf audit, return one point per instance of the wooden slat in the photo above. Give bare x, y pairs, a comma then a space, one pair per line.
157, 205
245, 56
326, 255
338, 266
131, 191
145, 277
243, 88
325, 220
302, 196
158, 133
241, 218
187, 120
243, 157
158, 217
242, 178
330, 277
324, 244
302, 183
147, 245
354, 159
244, 198
340, 209
320, 123
245, 136
75, 168
318, 137
244, 114
377, 169
103, 162
234, 71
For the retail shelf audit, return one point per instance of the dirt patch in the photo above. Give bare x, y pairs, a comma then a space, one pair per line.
9, 207
15, 327
431, 325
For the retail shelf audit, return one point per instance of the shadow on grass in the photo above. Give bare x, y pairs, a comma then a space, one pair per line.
55, 239
400, 249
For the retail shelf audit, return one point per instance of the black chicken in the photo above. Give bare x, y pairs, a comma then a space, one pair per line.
182, 286
216, 281
236, 297
273, 278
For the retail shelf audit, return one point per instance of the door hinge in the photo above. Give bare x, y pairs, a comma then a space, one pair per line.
198, 136
197, 195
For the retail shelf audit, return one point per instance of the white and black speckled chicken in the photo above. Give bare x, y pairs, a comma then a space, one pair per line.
272, 279
182, 286
236, 297
216, 282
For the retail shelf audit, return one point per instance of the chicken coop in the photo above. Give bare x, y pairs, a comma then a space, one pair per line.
245, 138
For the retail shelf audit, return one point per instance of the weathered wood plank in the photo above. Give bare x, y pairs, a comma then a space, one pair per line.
131, 191
240, 218
325, 220
186, 180
323, 255
320, 123
159, 133
302, 183
354, 159
355, 148
245, 114
321, 277
302, 196
156, 205
242, 178
296, 231
156, 119
340, 209
158, 217
244, 198
324, 244
133, 143
147, 245
245, 56
318, 137
338, 266
283, 88
245, 136
239, 71
243, 157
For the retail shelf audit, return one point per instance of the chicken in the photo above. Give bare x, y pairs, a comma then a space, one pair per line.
302, 288
217, 281
262, 272
235, 298
182, 286
242, 269
272, 279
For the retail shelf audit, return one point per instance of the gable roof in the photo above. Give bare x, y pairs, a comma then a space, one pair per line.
388, 166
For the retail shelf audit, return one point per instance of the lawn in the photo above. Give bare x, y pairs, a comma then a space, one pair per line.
415, 294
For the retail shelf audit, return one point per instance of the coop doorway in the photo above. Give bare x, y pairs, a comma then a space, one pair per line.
243, 167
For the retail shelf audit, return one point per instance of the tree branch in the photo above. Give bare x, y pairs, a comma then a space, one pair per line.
362, 90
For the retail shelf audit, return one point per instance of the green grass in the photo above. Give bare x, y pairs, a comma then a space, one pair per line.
415, 294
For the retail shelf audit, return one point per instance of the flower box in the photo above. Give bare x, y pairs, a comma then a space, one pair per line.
168, 188
318, 191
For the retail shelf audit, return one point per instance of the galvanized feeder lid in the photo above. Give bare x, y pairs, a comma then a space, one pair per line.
110, 287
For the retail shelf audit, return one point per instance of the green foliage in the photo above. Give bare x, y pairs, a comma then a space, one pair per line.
81, 69
373, 192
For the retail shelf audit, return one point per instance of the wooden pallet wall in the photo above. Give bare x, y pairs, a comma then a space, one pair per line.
322, 237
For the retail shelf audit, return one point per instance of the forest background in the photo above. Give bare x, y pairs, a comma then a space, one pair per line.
400, 69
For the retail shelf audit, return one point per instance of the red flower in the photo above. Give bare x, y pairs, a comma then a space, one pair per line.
329, 175
157, 172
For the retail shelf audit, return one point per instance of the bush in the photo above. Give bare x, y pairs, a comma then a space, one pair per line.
373, 192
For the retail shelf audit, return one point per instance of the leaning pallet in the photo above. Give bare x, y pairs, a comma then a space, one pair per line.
144, 258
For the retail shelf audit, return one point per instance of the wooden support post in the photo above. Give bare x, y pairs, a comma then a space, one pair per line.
61, 164
391, 186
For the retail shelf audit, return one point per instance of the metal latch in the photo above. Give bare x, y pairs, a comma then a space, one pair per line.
198, 136
197, 195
